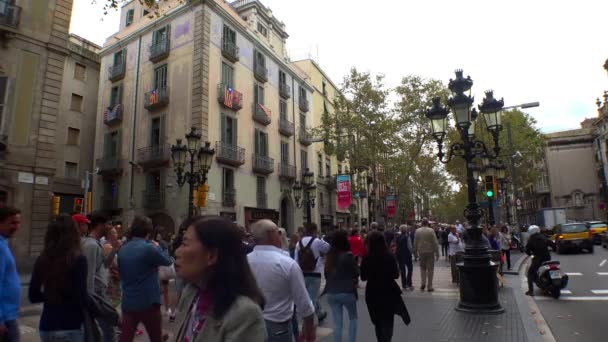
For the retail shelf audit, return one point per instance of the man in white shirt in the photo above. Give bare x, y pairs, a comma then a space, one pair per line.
459, 227
282, 282
455, 247
312, 277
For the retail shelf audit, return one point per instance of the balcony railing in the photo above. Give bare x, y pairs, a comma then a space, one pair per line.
112, 114
154, 199
229, 97
305, 137
109, 203
262, 199
110, 165
159, 50
261, 114
9, 14
287, 172
261, 72
229, 198
331, 182
229, 154
284, 90
230, 50
117, 71
156, 98
286, 127
262, 164
154, 155
304, 105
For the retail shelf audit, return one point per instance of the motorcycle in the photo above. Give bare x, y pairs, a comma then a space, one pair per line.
551, 279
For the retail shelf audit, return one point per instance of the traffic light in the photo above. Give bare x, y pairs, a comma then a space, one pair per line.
202, 195
56, 200
77, 205
490, 187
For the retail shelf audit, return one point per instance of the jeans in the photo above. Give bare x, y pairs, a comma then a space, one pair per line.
406, 268
108, 331
507, 254
445, 247
13, 331
384, 329
313, 286
336, 302
151, 319
427, 266
62, 335
279, 332
294, 324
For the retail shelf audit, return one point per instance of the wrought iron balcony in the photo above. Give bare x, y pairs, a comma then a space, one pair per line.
156, 98
261, 72
10, 14
305, 137
304, 105
262, 164
331, 182
229, 97
109, 203
230, 50
153, 199
154, 155
229, 154
284, 90
286, 127
159, 50
229, 198
110, 165
112, 114
287, 172
261, 114
116, 72
262, 199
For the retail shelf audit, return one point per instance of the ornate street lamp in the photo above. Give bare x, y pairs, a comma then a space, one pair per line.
200, 162
478, 282
310, 193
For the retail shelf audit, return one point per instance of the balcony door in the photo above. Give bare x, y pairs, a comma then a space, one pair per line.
157, 134
112, 144
285, 153
227, 75
261, 143
160, 77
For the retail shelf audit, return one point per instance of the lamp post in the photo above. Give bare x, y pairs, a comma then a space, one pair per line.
310, 193
478, 282
200, 163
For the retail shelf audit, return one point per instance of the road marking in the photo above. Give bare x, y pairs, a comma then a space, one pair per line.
574, 298
571, 274
603, 263
602, 273
599, 291
566, 292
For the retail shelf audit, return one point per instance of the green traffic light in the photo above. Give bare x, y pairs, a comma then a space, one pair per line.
490, 193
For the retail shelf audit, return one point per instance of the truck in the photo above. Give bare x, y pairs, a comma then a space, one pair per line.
548, 218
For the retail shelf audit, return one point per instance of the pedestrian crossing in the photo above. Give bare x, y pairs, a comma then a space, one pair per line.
581, 295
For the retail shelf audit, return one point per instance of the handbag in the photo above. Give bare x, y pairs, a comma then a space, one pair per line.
166, 272
101, 309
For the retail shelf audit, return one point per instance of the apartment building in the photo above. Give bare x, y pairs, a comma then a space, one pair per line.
48, 100
222, 69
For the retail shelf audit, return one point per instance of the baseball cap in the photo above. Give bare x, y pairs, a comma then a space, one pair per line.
79, 219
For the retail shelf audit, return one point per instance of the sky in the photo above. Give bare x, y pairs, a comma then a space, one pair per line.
540, 50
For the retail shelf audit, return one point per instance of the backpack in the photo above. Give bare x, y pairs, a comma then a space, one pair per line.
306, 257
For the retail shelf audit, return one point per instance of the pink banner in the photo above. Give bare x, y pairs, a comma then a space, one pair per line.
343, 187
390, 206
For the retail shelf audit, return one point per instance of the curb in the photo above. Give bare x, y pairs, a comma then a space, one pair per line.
517, 265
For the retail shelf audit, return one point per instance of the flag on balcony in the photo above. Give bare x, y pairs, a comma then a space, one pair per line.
266, 110
111, 113
228, 93
153, 97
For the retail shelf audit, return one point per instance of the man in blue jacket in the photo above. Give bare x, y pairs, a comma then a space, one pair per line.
10, 286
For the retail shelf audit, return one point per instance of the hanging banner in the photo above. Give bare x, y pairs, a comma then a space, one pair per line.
343, 187
390, 206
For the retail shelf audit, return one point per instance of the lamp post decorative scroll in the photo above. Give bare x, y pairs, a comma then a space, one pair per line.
478, 282
199, 164
309, 190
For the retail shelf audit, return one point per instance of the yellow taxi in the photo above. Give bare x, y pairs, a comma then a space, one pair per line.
596, 228
572, 236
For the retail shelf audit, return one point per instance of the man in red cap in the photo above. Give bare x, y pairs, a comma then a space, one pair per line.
82, 222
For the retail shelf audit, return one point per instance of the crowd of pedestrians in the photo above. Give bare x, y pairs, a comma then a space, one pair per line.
232, 284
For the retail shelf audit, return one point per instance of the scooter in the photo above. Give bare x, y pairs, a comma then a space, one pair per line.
551, 279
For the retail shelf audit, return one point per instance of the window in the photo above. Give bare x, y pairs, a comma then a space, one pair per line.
258, 94
155, 132
115, 96
262, 29
153, 182
228, 129
302, 93
227, 181
324, 85
259, 59
320, 165
71, 170
283, 110
227, 75
160, 77
260, 185
228, 38
304, 160
327, 168
80, 71
261, 143
73, 136
3, 85
284, 152
160, 36
111, 144
76, 103
325, 107
119, 58
321, 201
302, 121
282, 77
129, 19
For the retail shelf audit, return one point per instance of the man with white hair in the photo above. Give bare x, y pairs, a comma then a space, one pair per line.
282, 282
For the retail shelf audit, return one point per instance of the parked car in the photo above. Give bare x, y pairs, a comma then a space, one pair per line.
596, 228
572, 236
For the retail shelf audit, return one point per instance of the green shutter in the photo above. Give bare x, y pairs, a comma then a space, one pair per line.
235, 131
119, 95
163, 130
118, 151
256, 133
266, 144
106, 144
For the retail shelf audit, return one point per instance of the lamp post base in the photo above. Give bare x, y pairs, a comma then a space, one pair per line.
478, 285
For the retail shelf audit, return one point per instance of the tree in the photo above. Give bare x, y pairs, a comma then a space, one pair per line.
156, 7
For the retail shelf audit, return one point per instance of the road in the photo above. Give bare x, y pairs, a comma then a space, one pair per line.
580, 314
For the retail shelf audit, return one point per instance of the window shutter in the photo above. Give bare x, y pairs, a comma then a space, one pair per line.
265, 140
167, 35
117, 152
235, 129
107, 144
119, 100
223, 128
257, 142
163, 130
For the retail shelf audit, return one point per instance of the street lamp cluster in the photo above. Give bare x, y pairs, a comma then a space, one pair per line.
200, 163
310, 193
478, 282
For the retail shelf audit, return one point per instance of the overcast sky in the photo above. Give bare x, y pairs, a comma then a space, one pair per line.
525, 50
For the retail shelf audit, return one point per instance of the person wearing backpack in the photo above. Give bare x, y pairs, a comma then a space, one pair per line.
310, 252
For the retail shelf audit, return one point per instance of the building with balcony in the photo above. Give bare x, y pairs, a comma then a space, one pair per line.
226, 68
48, 107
